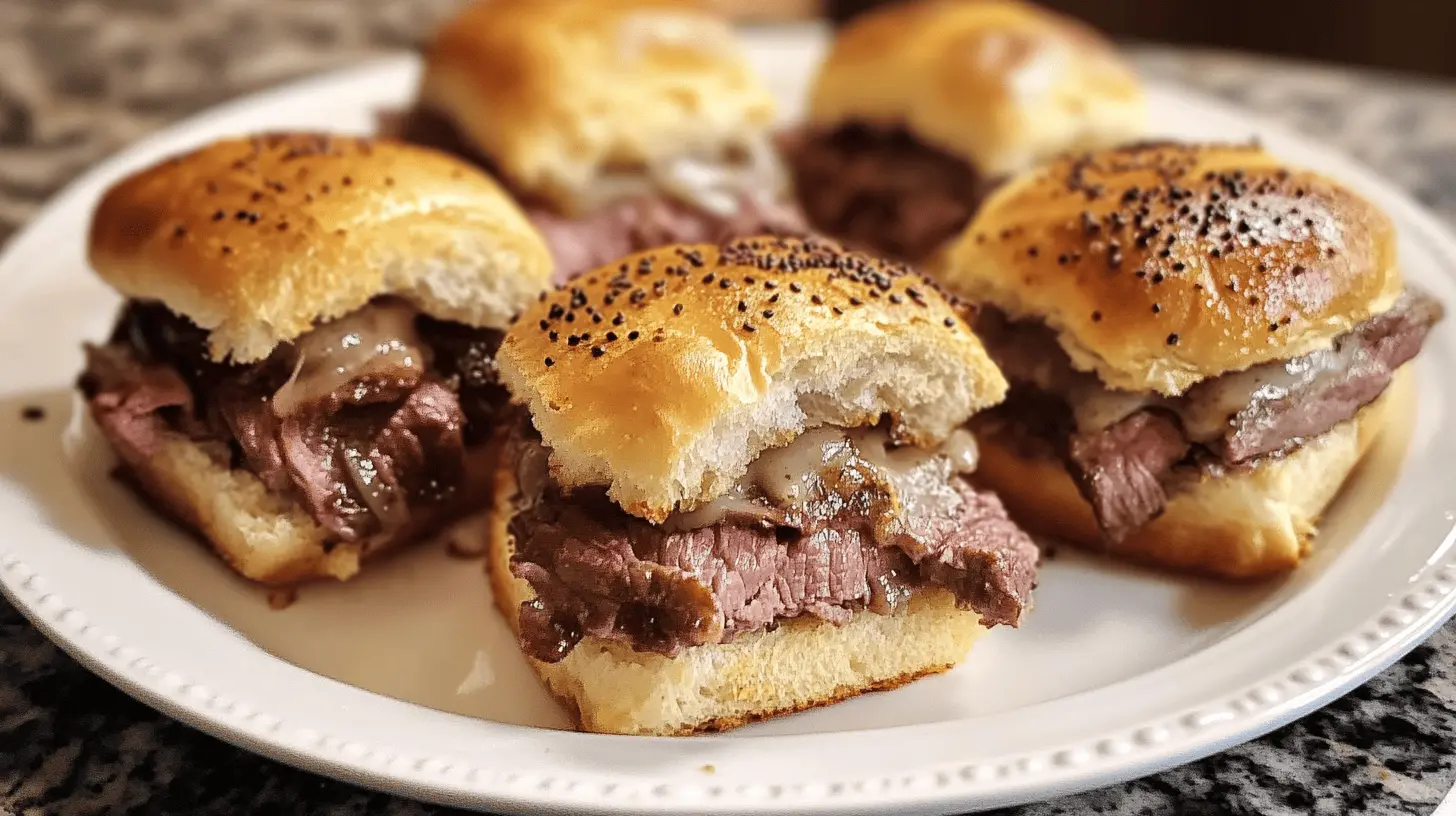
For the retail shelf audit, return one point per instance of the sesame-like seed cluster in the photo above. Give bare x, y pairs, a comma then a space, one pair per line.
1255, 214
277, 179
765, 276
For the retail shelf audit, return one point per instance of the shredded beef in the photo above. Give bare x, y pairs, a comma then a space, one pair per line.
464, 358
884, 191
598, 571
382, 454
1128, 469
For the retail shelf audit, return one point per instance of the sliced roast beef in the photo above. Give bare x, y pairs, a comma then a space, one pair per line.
629, 224
371, 439
1120, 469
129, 397
1128, 451
598, 571
254, 429
1326, 388
642, 222
884, 191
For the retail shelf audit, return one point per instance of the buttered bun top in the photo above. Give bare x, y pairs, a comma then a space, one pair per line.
1162, 265
560, 92
664, 376
258, 239
999, 83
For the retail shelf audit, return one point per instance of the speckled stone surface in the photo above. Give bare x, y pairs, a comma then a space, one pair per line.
79, 79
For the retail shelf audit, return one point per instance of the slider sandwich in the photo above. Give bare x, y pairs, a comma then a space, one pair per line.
620, 125
303, 369
1200, 341
736, 488
922, 108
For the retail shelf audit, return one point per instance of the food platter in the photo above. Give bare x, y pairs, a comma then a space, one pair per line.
405, 680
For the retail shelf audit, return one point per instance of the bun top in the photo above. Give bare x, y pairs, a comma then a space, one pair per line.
258, 239
665, 375
558, 92
1161, 265
1001, 84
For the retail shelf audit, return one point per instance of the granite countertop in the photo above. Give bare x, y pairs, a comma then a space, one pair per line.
79, 79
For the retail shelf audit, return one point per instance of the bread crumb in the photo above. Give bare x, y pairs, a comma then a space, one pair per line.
280, 599
709, 769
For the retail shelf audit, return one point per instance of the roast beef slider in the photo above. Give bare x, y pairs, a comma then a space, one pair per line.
303, 369
1201, 343
743, 492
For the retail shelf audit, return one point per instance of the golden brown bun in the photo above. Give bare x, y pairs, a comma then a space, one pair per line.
720, 353
1001, 84
1247, 524
557, 91
804, 663
1266, 263
257, 239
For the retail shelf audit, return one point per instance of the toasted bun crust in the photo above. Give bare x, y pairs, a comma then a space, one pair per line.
1250, 524
556, 91
722, 352
257, 239
1162, 265
804, 663
1002, 84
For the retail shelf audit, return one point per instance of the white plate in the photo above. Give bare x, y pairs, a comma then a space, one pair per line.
406, 680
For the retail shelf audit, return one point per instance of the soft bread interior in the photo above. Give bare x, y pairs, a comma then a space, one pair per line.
1246, 524
803, 664
262, 535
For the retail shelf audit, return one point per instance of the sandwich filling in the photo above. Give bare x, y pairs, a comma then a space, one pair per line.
883, 190
684, 201
838, 521
1129, 452
374, 423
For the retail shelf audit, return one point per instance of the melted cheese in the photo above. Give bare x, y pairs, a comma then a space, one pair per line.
782, 480
1207, 410
378, 339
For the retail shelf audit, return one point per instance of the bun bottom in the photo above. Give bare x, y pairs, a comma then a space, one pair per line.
262, 535
804, 663
1248, 524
